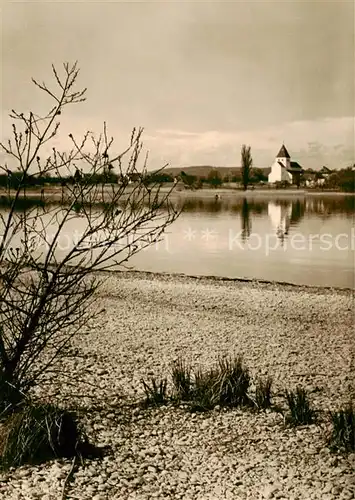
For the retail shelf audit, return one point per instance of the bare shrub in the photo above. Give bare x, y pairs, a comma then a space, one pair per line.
47, 290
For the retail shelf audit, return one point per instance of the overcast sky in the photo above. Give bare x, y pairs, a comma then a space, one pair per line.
201, 77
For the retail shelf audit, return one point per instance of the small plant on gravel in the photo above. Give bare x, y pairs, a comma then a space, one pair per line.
205, 390
234, 382
39, 432
156, 393
182, 381
343, 432
225, 385
263, 393
301, 412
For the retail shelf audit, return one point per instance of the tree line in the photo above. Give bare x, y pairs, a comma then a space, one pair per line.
214, 179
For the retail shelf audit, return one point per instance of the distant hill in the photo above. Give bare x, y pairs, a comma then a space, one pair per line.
204, 170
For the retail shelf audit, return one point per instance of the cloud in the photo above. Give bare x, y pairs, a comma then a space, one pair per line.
329, 140
202, 77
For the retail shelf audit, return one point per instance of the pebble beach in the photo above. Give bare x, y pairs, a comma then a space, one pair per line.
297, 335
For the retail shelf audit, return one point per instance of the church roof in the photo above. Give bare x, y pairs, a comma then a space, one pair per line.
295, 166
283, 153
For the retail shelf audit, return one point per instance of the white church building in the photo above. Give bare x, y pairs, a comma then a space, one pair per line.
283, 169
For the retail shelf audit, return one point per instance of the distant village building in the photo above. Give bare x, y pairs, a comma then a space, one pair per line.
283, 169
325, 171
317, 178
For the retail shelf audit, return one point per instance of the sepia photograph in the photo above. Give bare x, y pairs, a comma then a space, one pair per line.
177, 250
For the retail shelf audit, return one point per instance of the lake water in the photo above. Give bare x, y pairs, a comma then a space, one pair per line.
299, 239
305, 240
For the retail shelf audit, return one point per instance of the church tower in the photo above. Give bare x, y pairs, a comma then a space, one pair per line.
283, 157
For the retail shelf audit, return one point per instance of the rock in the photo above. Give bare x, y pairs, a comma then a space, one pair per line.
183, 476
194, 479
327, 488
269, 491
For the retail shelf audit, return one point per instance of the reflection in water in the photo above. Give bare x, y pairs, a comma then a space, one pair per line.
233, 219
297, 212
198, 205
323, 207
280, 217
22, 204
283, 213
246, 220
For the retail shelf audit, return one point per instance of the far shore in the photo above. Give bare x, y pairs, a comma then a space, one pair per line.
55, 193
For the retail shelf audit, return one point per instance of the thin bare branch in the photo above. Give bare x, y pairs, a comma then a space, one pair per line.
47, 289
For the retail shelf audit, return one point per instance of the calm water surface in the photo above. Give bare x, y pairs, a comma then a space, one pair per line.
304, 240
307, 240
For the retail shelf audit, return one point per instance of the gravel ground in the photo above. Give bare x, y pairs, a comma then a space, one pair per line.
299, 335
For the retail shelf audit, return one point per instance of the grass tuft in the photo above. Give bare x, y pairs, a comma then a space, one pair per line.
263, 393
233, 383
205, 390
155, 392
343, 432
36, 433
182, 381
224, 385
301, 412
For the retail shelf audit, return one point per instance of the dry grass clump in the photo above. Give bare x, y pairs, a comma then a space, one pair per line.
156, 393
225, 384
204, 394
35, 433
263, 393
343, 429
181, 375
301, 412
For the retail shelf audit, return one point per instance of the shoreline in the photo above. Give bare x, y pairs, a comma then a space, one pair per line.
166, 276
55, 193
